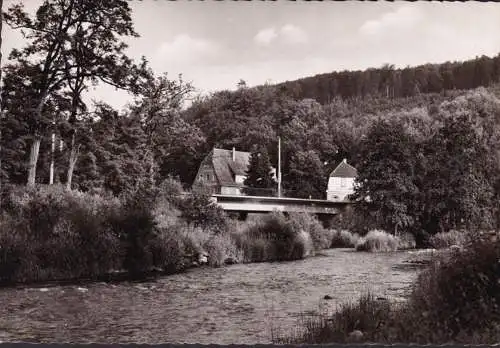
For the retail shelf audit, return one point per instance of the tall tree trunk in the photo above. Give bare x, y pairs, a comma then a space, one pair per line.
35, 148
52, 150
73, 157
152, 166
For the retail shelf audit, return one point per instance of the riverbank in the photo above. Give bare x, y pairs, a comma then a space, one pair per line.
48, 234
454, 300
232, 304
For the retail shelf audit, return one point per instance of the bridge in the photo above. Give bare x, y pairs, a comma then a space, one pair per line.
261, 204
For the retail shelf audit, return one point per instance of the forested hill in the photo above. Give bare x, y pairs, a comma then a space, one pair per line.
325, 118
394, 83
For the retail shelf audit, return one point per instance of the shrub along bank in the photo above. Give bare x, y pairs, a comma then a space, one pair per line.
49, 233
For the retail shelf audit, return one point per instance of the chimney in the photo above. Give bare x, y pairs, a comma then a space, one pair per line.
344, 160
234, 154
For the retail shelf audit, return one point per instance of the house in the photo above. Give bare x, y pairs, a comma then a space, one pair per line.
341, 182
224, 171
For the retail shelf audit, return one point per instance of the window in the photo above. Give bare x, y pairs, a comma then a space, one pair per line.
343, 182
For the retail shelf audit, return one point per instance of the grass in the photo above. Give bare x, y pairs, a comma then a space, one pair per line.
444, 240
381, 241
377, 241
366, 315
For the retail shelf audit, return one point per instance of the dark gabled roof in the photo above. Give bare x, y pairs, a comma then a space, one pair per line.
344, 170
224, 166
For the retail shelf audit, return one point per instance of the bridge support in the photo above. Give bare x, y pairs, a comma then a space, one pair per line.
327, 220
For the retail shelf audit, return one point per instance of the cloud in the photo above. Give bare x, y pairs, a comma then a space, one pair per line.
403, 18
265, 36
289, 34
186, 49
293, 34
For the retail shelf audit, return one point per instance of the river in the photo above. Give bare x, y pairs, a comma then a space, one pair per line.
233, 304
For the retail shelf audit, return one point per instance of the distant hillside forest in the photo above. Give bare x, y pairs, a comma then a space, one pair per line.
396, 83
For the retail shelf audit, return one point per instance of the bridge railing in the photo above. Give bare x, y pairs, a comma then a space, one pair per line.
273, 192
263, 192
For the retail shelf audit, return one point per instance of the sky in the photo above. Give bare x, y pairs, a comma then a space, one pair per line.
214, 44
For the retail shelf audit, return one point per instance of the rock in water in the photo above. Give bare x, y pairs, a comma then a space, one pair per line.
230, 261
328, 297
203, 258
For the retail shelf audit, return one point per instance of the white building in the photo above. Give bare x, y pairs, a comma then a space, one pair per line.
341, 182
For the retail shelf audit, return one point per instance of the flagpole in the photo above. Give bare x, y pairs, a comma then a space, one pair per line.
279, 166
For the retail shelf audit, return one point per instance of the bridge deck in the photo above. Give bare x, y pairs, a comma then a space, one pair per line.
267, 204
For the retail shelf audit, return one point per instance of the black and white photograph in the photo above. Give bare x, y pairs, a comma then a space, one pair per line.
249, 172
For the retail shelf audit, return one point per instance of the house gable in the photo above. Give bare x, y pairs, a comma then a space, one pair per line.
341, 182
344, 170
227, 169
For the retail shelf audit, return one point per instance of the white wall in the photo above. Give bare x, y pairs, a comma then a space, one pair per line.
230, 190
339, 188
239, 179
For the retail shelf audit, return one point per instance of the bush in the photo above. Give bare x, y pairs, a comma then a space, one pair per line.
136, 227
344, 239
377, 241
194, 240
460, 297
14, 252
221, 247
444, 240
354, 219
57, 234
198, 209
321, 237
406, 241
286, 238
254, 247
168, 250
275, 238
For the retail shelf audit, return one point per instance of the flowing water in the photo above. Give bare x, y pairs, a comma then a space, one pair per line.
233, 304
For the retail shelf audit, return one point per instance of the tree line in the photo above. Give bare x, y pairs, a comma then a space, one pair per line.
390, 82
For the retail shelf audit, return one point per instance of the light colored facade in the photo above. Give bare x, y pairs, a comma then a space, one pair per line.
239, 179
231, 190
341, 182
